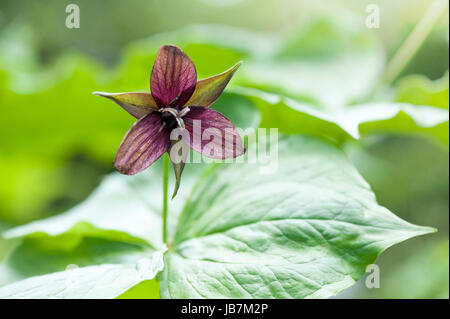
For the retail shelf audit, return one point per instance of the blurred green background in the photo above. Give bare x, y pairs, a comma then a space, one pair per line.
57, 141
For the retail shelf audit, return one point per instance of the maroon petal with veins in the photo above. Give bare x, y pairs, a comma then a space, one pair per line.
173, 77
212, 134
144, 143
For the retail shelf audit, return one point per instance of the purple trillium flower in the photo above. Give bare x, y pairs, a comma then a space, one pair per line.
177, 101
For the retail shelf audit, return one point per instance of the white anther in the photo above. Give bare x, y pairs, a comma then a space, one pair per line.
170, 110
180, 122
177, 115
183, 112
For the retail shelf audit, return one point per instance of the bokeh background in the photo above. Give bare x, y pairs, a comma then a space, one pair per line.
57, 141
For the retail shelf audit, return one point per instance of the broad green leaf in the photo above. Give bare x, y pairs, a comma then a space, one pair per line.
315, 211
419, 90
101, 281
396, 118
119, 224
292, 117
120, 209
40, 256
306, 230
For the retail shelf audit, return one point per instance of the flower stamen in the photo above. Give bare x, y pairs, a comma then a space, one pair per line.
176, 115
183, 112
162, 126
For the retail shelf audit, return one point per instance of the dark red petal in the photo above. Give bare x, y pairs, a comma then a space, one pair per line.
144, 143
173, 77
215, 136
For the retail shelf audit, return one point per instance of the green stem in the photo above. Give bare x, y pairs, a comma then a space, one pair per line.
165, 195
415, 40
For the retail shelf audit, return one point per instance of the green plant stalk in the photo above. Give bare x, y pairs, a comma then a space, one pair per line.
165, 195
405, 53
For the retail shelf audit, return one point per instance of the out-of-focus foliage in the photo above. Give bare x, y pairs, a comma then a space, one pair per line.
428, 266
101, 281
409, 175
60, 97
432, 59
351, 122
419, 90
56, 140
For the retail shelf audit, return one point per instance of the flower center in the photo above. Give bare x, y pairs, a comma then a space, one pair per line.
172, 117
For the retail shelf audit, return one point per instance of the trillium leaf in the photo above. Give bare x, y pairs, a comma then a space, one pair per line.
208, 90
119, 225
306, 230
101, 281
138, 104
122, 209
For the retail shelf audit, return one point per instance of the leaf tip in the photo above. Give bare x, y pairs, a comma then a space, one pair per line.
424, 230
236, 66
103, 94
